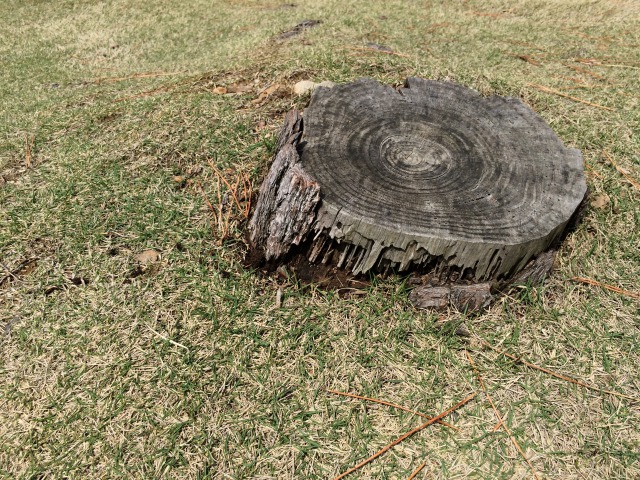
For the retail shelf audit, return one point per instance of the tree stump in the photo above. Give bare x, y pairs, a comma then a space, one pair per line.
431, 176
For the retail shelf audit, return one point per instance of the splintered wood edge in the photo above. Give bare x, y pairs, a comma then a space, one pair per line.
291, 210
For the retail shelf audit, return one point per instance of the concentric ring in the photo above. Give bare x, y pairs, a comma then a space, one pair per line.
437, 159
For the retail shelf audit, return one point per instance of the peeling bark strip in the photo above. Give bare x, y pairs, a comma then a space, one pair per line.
430, 176
288, 198
469, 298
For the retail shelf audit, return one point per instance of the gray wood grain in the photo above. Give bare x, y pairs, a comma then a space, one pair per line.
465, 298
434, 172
430, 176
287, 201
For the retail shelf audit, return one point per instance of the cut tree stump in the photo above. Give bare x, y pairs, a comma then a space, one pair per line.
432, 177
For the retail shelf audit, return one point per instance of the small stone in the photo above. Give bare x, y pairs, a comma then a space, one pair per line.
463, 331
303, 87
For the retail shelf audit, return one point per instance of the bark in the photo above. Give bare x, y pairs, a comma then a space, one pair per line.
466, 298
288, 199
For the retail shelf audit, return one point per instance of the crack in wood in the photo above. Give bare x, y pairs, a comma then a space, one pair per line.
345, 190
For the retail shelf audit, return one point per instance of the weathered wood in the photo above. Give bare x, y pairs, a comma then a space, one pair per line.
430, 297
466, 298
478, 296
535, 272
432, 176
288, 197
471, 298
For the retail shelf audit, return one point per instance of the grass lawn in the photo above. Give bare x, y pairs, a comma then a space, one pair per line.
187, 365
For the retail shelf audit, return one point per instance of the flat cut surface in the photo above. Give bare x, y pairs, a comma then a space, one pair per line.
438, 159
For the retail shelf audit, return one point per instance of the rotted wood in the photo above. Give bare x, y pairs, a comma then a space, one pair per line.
288, 199
429, 177
477, 296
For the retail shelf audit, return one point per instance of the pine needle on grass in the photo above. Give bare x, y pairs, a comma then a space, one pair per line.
525, 44
431, 421
232, 189
489, 14
134, 76
417, 471
148, 93
598, 63
10, 274
28, 149
210, 205
621, 171
389, 404
554, 374
593, 172
525, 58
379, 50
633, 67
500, 419
585, 71
570, 97
167, 339
222, 219
589, 281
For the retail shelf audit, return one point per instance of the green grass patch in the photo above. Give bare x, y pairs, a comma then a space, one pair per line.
186, 367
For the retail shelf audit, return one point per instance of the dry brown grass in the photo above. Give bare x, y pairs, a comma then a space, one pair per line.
193, 367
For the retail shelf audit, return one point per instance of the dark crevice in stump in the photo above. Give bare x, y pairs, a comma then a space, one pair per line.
430, 178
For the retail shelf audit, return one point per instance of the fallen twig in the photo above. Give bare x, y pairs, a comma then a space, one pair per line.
28, 149
552, 373
407, 435
17, 270
213, 210
232, 190
417, 471
388, 404
629, 178
585, 71
167, 338
135, 76
589, 281
525, 58
500, 419
576, 99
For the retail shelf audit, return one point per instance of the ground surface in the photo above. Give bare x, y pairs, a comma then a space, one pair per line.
187, 365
